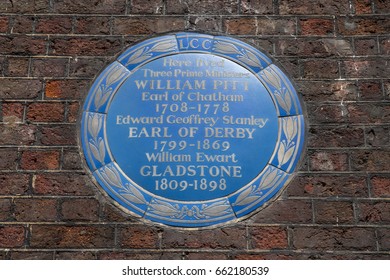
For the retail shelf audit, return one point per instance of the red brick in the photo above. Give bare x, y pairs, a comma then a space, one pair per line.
46, 112
4, 21
5, 210
75, 255
20, 88
384, 239
201, 7
93, 25
80, 210
11, 156
90, 7
146, 26
63, 184
147, 7
378, 136
53, 236
107, 46
333, 212
310, 48
17, 67
113, 214
370, 90
264, 256
363, 25
329, 161
31, 255
315, 69
66, 89
36, 6
370, 160
110, 255
85, 67
327, 113
335, 136
58, 135
285, 211
40, 160
12, 236
328, 186
12, 112
53, 25
382, 6
49, 67
225, 238
380, 186
291, 67
268, 238
206, 256
377, 68
374, 113
73, 112
385, 46
35, 210
316, 26
23, 45
71, 160
323, 7
363, 7
137, 237
243, 26
334, 238
22, 24
256, 7
260, 26
374, 212
14, 183
328, 90
14, 134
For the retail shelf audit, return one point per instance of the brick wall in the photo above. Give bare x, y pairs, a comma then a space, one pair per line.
337, 52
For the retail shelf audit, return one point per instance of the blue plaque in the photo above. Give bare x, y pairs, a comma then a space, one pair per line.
192, 130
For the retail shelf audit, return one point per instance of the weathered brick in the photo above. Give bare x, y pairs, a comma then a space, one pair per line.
20, 88
226, 238
286, 211
382, 6
327, 113
380, 186
333, 212
328, 186
143, 26
147, 7
10, 157
22, 24
291, 67
333, 7
12, 236
30, 7
315, 69
4, 21
319, 91
73, 112
110, 255
375, 212
75, 255
334, 238
370, 90
49, 67
212, 23
377, 68
46, 112
256, 8
53, 236
14, 183
363, 25
23, 45
113, 214
268, 238
33, 210
363, 7
31, 255
385, 46
335, 136
17, 67
64, 135
384, 239
370, 160
93, 25
366, 46
378, 136
53, 25
374, 113
329, 161
14, 134
63, 184
66, 89
307, 48
138, 237
71, 160
40, 160
260, 26
85, 67
201, 7
316, 26
90, 6
5, 210
107, 46
80, 210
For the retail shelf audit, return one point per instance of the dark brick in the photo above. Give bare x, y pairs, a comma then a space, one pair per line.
268, 238
385, 46
12, 112
10, 158
75, 255
40, 160
333, 212
363, 7
370, 160
33, 210
201, 7
80, 210
53, 236
20, 89
211, 23
370, 90
66, 89
85, 67
93, 25
312, 48
12, 236
384, 239
377, 68
329, 161
327, 113
4, 21
316, 26
256, 7
71, 160
46, 112
73, 112
14, 183
64, 135
225, 238
382, 6
375, 212
30, 7
63, 184
54, 25
315, 69
113, 214
31, 255
22, 24
147, 7
374, 113
146, 26
23, 45
328, 90
291, 67
363, 25
339, 136
49, 67
260, 26
13, 134
206, 256
328, 186
334, 238
5, 210
107, 46
323, 7
366, 46
378, 136
138, 237
380, 186
110, 255
286, 211
17, 67
90, 6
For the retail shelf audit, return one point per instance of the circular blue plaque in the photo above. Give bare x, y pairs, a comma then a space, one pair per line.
192, 130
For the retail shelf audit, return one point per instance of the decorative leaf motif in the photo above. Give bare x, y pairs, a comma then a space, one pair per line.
98, 97
94, 150
164, 46
145, 53
269, 179
102, 151
164, 209
132, 194
216, 209
282, 102
247, 200
290, 128
94, 124
241, 199
250, 59
271, 77
112, 177
115, 75
281, 152
226, 48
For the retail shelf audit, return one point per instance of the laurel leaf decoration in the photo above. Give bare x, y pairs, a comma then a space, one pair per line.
164, 46
243, 54
132, 194
165, 209
145, 53
226, 48
111, 176
287, 146
216, 209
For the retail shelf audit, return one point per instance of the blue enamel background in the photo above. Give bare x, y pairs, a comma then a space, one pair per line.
266, 161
